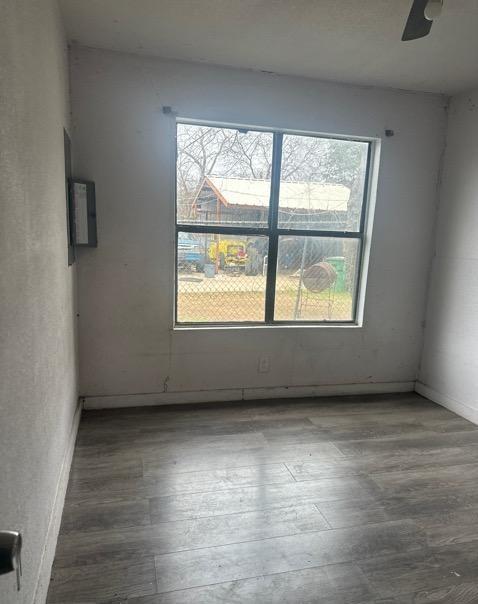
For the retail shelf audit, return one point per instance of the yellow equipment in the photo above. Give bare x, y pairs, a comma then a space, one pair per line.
228, 253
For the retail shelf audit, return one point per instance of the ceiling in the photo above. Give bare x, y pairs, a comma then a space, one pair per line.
353, 41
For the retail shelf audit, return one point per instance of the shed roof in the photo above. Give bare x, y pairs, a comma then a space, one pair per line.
293, 195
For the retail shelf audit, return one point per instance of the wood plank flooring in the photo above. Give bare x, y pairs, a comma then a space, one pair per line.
351, 500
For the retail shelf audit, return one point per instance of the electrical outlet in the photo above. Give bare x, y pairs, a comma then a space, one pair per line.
264, 364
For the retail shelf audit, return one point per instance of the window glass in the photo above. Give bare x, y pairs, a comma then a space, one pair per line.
322, 183
220, 278
269, 226
223, 176
316, 279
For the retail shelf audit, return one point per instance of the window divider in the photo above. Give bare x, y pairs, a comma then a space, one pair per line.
231, 230
221, 229
273, 222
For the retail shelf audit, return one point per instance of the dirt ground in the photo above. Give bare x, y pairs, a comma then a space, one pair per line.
237, 298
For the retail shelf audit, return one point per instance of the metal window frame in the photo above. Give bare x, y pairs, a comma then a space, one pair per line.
273, 231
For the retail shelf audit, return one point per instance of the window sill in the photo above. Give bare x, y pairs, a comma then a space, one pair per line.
275, 326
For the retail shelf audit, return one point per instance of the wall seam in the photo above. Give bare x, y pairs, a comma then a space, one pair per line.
434, 233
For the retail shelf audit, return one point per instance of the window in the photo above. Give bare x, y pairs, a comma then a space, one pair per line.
269, 226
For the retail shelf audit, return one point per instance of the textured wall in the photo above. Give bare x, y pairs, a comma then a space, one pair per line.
125, 143
38, 376
449, 368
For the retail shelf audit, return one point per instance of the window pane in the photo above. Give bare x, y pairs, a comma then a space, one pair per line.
220, 278
316, 278
223, 176
322, 183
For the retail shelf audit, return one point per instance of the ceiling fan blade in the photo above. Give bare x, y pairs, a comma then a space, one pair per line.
417, 25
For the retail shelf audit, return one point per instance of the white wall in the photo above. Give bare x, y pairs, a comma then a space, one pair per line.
449, 367
124, 143
38, 376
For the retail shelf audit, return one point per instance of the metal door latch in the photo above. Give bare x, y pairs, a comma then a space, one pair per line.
10, 554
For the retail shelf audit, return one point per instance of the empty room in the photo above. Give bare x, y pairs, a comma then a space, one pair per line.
238, 326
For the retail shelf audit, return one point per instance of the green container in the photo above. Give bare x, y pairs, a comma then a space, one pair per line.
338, 262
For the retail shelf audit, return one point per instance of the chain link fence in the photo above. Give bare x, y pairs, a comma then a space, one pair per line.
222, 279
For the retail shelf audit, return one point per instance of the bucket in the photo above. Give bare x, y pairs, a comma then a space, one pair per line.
338, 262
209, 271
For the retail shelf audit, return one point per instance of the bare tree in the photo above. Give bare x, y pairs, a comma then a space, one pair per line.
205, 151
228, 152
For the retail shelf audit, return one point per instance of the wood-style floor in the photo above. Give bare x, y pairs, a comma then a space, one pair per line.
360, 500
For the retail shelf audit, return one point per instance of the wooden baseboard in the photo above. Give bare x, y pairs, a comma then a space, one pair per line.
241, 394
48, 554
462, 409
